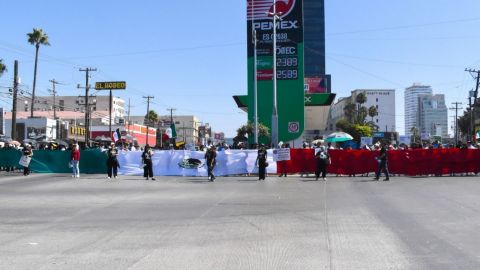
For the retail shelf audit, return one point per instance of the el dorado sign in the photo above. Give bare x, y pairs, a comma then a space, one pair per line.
110, 85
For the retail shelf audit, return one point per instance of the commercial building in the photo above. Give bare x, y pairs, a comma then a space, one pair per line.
73, 103
432, 115
382, 99
411, 105
189, 128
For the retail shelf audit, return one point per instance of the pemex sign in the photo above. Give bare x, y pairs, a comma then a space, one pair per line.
290, 74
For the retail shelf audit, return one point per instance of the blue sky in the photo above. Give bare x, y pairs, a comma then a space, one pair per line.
191, 55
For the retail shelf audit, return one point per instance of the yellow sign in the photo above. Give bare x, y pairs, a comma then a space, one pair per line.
110, 85
74, 130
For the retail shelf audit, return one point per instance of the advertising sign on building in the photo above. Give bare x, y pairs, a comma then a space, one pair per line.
366, 141
404, 140
317, 85
289, 64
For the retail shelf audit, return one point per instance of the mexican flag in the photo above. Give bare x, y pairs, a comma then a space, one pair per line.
116, 135
173, 130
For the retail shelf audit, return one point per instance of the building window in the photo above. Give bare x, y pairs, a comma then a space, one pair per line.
377, 99
377, 120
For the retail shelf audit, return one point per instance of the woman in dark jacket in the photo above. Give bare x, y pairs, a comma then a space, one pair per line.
211, 157
147, 162
112, 161
382, 164
262, 162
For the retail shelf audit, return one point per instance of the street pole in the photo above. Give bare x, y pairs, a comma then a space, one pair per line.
87, 106
14, 105
146, 117
475, 95
456, 119
275, 111
255, 78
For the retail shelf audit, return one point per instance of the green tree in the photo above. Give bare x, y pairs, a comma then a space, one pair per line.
361, 98
3, 68
249, 130
372, 112
152, 117
37, 38
350, 111
357, 131
464, 123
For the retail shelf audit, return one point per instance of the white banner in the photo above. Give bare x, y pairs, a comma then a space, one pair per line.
281, 154
192, 163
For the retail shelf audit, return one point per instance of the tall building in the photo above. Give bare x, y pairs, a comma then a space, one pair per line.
432, 115
411, 105
314, 37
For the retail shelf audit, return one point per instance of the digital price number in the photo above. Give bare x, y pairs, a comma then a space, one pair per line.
287, 68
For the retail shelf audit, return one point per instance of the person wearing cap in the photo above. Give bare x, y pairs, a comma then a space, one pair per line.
262, 162
112, 161
147, 162
74, 161
211, 158
27, 152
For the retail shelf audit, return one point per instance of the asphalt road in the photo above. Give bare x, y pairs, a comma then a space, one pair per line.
57, 222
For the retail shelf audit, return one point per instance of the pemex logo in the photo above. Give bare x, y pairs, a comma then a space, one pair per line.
258, 9
284, 7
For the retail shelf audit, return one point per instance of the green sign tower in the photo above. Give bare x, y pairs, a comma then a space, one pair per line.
289, 66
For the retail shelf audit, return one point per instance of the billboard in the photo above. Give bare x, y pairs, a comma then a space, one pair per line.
289, 64
315, 85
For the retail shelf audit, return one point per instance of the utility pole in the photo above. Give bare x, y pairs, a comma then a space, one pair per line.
471, 126
475, 95
275, 16
255, 78
54, 93
14, 105
87, 105
146, 116
456, 119
128, 118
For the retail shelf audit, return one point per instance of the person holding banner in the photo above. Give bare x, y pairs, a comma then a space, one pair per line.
262, 162
112, 161
27, 154
211, 157
147, 162
74, 161
382, 164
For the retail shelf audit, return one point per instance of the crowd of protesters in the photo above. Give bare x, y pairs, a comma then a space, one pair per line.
322, 156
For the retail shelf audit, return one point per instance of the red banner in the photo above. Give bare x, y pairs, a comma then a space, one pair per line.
409, 162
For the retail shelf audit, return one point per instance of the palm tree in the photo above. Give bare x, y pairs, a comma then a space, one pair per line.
3, 68
37, 38
152, 117
372, 112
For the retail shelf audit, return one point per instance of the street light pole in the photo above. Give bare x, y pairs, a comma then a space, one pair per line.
274, 15
255, 78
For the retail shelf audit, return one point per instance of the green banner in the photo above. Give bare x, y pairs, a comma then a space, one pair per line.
47, 161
